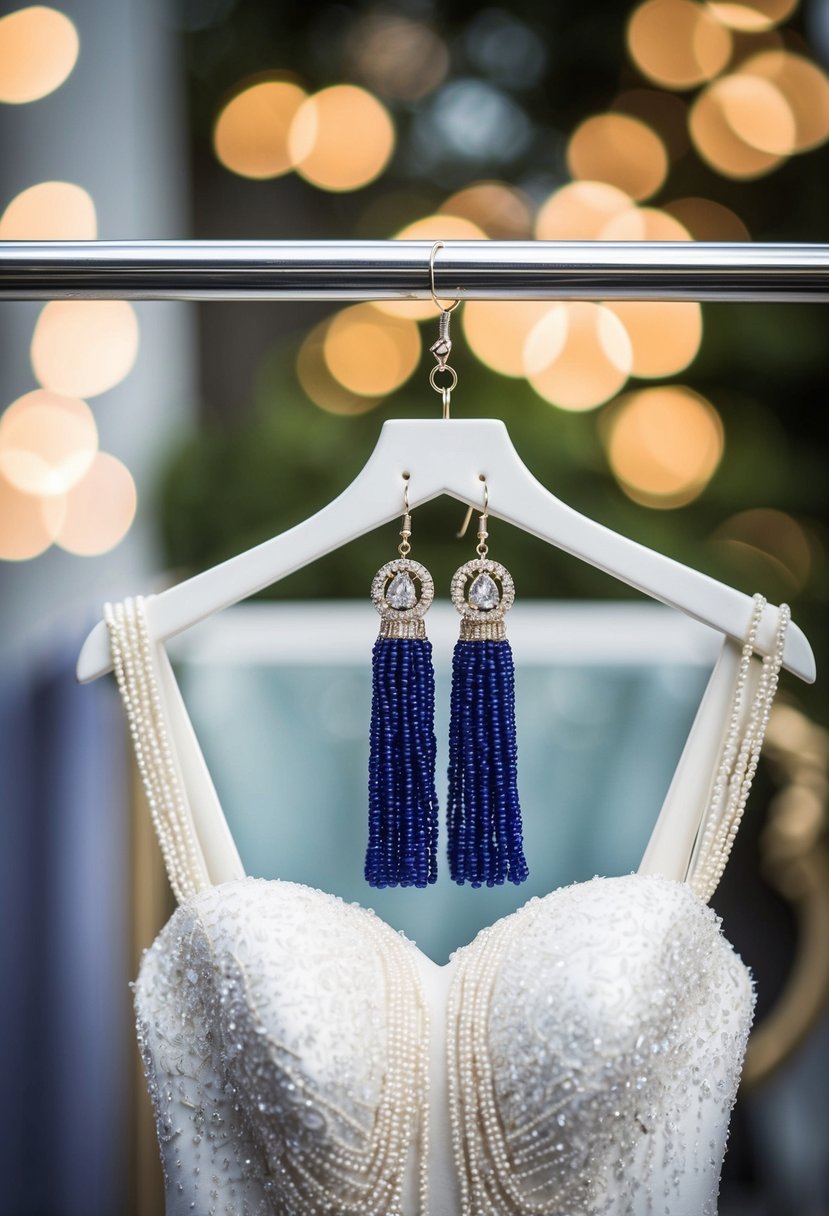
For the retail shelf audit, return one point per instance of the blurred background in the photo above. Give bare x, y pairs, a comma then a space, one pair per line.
141, 443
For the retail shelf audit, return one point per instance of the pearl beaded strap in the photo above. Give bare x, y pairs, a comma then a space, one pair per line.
354, 1182
132, 662
738, 762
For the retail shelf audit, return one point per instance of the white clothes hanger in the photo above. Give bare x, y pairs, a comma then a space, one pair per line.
450, 456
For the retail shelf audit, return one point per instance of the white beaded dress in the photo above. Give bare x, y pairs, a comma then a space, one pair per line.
581, 1055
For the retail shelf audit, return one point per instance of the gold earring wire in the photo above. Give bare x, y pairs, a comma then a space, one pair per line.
461, 533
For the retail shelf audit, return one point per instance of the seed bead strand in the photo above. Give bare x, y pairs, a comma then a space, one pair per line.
453, 1053
123, 676
196, 867
711, 860
716, 803
137, 678
487, 1176
175, 816
368, 1180
744, 775
124, 669
739, 764
169, 811
143, 678
408, 1059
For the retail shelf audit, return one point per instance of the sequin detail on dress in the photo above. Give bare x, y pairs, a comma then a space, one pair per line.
283, 1034
594, 1038
588, 1034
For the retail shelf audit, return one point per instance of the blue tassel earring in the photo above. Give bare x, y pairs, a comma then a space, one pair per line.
483, 812
402, 802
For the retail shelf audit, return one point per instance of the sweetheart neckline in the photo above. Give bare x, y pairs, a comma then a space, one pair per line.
448, 968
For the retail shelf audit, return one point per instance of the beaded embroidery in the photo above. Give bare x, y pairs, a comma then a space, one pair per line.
594, 1038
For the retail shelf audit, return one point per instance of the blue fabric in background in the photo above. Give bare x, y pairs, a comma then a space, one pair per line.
65, 1024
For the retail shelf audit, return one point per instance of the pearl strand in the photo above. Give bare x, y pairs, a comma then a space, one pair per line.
349, 1181
729, 752
488, 1180
135, 676
738, 764
368, 1180
148, 771
142, 679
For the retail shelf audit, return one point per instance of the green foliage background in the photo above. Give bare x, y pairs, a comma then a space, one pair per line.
264, 457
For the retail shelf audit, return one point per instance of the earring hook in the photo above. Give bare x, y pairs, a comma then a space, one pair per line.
469, 511
453, 304
404, 548
442, 348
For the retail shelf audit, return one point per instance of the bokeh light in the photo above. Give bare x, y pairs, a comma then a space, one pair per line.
742, 126
83, 347
677, 43
764, 537
47, 442
341, 138
644, 224
369, 352
441, 227
318, 383
506, 47
707, 220
472, 122
664, 445
38, 50
578, 355
665, 335
28, 523
50, 211
99, 509
758, 113
251, 133
579, 211
805, 88
620, 150
397, 56
497, 331
752, 16
500, 211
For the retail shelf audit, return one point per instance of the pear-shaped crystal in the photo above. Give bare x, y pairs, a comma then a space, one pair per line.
484, 593
400, 592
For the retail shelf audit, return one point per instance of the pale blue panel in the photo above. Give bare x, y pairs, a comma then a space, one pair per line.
288, 749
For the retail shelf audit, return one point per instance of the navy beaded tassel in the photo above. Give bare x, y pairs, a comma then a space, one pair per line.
402, 802
485, 842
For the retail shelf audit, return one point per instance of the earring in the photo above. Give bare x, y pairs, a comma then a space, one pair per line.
402, 802
483, 812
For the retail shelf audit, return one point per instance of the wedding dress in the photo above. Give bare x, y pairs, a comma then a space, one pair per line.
580, 1056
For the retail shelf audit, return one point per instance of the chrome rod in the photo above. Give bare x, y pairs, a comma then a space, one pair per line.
399, 270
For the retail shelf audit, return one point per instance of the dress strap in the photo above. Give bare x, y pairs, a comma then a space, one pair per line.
746, 727
175, 779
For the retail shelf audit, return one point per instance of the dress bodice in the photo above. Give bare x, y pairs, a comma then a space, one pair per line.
594, 1039
581, 1055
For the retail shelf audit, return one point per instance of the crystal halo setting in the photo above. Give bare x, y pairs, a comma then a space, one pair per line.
395, 597
485, 600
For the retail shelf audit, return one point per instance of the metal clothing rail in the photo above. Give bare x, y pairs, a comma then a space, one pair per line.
399, 270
